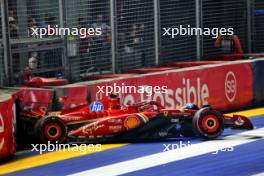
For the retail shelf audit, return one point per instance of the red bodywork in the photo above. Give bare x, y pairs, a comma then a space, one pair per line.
42, 82
28, 80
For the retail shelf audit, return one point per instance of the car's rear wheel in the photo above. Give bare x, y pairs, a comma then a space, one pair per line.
208, 123
51, 129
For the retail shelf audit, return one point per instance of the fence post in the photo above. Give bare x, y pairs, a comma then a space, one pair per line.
113, 34
250, 6
6, 43
157, 30
198, 20
63, 23
1, 66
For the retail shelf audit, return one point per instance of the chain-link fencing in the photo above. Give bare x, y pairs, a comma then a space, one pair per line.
92, 54
172, 15
224, 14
258, 25
135, 34
132, 34
24, 17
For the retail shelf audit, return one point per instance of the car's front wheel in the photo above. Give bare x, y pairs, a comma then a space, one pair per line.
208, 123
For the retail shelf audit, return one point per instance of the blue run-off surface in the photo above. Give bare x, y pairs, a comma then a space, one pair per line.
246, 159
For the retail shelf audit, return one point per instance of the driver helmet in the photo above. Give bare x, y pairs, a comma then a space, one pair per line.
191, 106
113, 95
114, 101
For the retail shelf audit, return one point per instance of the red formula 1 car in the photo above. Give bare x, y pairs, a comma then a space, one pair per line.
107, 121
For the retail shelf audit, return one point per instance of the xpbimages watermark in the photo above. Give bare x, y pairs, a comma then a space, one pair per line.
191, 31
181, 145
128, 89
51, 147
57, 31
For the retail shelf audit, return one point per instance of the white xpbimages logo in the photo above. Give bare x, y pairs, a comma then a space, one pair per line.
230, 86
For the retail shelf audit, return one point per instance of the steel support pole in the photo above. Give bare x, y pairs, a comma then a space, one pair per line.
250, 5
198, 25
63, 23
113, 34
157, 30
6, 43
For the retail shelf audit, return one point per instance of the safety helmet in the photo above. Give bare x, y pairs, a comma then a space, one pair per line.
113, 95
191, 106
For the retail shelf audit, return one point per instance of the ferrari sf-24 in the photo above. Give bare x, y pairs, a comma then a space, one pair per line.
107, 121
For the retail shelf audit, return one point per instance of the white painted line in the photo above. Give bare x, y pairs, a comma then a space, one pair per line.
174, 155
259, 174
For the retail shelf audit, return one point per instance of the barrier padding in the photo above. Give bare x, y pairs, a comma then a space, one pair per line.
7, 123
258, 81
226, 86
222, 85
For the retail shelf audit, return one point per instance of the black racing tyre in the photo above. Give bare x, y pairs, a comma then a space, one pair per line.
208, 123
51, 129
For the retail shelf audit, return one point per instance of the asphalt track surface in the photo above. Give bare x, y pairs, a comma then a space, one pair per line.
246, 157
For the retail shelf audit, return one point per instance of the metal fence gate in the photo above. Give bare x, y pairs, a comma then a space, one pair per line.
132, 34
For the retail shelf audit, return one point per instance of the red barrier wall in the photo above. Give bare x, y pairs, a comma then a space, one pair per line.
225, 87
7, 128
